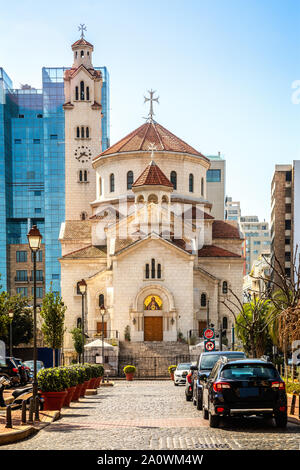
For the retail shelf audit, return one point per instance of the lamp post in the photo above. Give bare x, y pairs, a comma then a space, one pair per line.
82, 287
11, 316
34, 240
102, 311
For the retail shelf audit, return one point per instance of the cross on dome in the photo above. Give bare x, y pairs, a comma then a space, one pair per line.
82, 28
151, 99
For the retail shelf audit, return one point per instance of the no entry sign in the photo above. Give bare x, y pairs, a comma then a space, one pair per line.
209, 333
209, 345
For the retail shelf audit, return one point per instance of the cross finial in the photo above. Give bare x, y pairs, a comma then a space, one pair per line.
151, 99
152, 147
82, 28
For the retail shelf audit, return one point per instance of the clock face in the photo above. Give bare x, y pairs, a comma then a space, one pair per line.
83, 154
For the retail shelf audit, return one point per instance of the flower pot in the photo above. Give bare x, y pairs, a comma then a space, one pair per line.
129, 376
68, 397
77, 392
90, 383
83, 388
53, 400
93, 382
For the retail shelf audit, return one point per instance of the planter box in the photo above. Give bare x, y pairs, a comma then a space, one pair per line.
53, 400
77, 392
68, 397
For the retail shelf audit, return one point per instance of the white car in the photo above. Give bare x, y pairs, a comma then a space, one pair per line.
181, 372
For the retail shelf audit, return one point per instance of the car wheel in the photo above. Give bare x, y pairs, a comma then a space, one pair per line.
213, 421
188, 397
199, 403
281, 421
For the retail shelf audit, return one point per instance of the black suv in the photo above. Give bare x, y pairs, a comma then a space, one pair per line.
204, 367
10, 370
244, 388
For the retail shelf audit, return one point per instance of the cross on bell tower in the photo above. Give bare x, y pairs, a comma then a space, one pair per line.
82, 28
151, 99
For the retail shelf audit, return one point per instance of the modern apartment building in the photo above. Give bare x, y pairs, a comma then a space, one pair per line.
257, 239
232, 209
32, 176
215, 185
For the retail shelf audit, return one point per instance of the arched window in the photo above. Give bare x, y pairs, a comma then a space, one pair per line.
76, 93
191, 183
77, 132
100, 186
87, 93
81, 53
147, 271
202, 187
159, 271
78, 323
82, 90
82, 132
129, 179
203, 300
164, 200
173, 178
85, 175
225, 287
87, 132
80, 175
76, 54
101, 300
153, 268
140, 199
112, 182
153, 198
225, 323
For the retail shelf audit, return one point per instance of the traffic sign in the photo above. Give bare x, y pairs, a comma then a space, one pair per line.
209, 333
209, 345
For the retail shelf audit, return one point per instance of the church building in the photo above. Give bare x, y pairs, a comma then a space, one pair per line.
139, 228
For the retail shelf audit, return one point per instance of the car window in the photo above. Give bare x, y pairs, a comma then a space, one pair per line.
249, 371
183, 366
207, 362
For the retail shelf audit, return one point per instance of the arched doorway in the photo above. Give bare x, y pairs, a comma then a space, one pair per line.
153, 319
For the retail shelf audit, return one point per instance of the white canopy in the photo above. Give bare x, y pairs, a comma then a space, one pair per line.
97, 343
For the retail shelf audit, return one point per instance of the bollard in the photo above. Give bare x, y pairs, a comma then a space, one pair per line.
8, 417
36, 409
292, 410
23, 419
31, 405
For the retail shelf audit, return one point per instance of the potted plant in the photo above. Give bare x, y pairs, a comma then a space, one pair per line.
73, 380
129, 371
80, 381
171, 370
52, 384
87, 371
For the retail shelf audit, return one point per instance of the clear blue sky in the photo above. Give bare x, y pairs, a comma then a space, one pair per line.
223, 70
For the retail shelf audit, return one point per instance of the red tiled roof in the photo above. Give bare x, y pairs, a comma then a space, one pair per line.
194, 213
82, 42
151, 133
212, 251
70, 72
222, 229
152, 175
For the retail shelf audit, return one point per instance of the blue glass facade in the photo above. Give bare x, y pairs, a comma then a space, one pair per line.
32, 167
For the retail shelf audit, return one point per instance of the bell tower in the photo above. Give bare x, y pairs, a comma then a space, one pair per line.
83, 135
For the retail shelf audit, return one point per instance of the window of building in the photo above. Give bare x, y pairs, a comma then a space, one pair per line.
287, 272
288, 176
53, 137
37, 210
82, 132
78, 323
287, 241
101, 300
39, 292
191, 183
82, 90
21, 275
288, 208
159, 271
21, 256
55, 276
21, 116
87, 132
100, 187
39, 275
225, 287
129, 179
76, 93
88, 93
85, 176
83, 216
80, 175
39, 256
173, 178
225, 323
81, 53
36, 141
202, 186
153, 268
112, 183
256, 242
213, 176
153, 198
18, 141
39, 116
23, 291
37, 193
203, 300
287, 225
147, 271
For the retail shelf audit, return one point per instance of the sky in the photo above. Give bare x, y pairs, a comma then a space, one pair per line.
223, 70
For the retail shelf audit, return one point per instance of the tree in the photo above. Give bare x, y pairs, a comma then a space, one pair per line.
53, 315
77, 340
22, 322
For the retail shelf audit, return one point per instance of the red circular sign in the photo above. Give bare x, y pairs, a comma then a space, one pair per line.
210, 346
209, 333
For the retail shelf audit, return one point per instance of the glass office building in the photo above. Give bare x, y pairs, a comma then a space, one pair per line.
32, 176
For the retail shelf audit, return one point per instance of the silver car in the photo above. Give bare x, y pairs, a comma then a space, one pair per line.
181, 372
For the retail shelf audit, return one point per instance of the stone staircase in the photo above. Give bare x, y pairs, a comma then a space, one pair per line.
152, 359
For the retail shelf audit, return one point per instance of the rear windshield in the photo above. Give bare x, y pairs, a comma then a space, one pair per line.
207, 362
183, 366
249, 371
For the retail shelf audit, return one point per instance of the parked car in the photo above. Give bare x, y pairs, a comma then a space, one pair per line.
30, 365
24, 374
204, 367
10, 370
181, 372
243, 388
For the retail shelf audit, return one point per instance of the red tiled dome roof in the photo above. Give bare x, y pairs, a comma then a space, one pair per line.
82, 42
151, 133
152, 175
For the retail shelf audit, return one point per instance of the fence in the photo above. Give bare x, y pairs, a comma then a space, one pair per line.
289, 372
153, 367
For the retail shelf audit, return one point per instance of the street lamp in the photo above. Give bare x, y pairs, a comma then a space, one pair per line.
102, 311
34, 240
11, 316
82, 288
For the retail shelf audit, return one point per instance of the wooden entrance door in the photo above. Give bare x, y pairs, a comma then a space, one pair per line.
153, 328
99, 328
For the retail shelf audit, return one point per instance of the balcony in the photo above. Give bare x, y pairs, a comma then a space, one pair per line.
38, 279
21, 281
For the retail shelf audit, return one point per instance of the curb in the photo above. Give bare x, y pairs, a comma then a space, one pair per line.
26, 431
293, 420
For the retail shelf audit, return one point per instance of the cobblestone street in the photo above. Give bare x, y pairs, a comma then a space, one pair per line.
152, 415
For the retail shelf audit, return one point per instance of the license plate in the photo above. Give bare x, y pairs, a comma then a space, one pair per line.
249, 392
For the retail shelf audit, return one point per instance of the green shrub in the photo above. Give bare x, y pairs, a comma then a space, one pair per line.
129, 369
171, 369
98, 370
51, 380
292, 387
80, 373
73, 376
